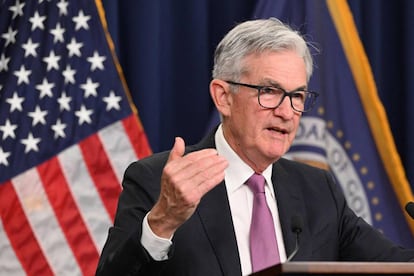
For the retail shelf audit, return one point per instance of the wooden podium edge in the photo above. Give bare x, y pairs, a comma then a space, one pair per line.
339, 268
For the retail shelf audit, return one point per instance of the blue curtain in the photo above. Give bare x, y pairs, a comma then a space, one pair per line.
166, 50
387, 32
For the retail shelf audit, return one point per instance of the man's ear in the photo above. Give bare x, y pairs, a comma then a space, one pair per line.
221, 96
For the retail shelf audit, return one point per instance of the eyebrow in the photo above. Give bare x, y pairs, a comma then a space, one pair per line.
277, 85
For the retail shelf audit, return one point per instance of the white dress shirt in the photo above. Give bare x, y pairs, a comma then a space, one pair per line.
241, 205
241, 201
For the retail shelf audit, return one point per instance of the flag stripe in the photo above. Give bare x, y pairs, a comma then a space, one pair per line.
85, 194
374, 110
10, 265
20, 235
36, 206
62, 168
68, 215
137, 136
118, 147
101, 172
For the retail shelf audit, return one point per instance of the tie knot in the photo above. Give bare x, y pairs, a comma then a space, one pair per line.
256, 183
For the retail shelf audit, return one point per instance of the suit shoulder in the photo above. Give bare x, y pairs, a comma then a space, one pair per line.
154, 162
292, 165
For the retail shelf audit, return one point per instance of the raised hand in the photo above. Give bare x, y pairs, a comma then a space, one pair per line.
185, 180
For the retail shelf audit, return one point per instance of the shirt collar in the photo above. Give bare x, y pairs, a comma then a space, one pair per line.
237, 173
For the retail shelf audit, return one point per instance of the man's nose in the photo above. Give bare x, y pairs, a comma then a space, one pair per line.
285, 109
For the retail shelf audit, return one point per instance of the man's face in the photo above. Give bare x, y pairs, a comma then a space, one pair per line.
261, 136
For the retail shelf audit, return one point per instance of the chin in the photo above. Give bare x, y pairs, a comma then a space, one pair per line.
277, 148
274, 155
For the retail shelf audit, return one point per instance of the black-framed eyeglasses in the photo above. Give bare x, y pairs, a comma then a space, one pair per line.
271, 96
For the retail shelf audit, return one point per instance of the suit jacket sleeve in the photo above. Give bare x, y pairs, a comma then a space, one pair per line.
361, 242
332, 231
123, 253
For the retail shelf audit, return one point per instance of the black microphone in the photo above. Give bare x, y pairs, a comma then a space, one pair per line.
409, 207
296, 226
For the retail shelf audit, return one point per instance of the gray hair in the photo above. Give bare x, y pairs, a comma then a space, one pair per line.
257, 36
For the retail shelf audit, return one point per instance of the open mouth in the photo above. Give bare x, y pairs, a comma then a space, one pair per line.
276, 129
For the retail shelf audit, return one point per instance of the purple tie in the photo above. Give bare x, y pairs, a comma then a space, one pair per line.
263, 245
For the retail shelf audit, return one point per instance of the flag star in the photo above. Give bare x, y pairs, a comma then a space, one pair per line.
64, 101
22, 75
30, 48
45, 88
84, 115
3, 157
96, 61
74, 48
58, 33
63, 7
10, 36
15, 102
81, 21
112, 101
58, 128
69, 74
37, 21
52, 61
38, 116
31, 143
8, 130
17, 9
90, 88
4, 61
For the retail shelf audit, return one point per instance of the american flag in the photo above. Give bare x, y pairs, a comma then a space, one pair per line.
67, 133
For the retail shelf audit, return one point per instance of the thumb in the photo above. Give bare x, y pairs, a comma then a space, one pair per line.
177, 150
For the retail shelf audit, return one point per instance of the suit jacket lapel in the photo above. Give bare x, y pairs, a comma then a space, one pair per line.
215, 216
290, 203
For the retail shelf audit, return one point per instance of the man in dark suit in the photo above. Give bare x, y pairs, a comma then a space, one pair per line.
189, 212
